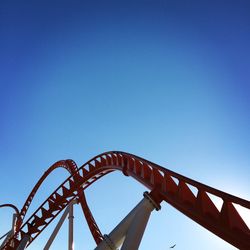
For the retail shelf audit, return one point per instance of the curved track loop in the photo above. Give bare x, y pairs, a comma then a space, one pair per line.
12, 206
168, 185
71, 167
56, 165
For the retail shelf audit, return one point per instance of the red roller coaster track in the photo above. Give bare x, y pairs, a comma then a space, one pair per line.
166, 185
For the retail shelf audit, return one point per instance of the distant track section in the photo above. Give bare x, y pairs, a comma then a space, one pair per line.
175, 189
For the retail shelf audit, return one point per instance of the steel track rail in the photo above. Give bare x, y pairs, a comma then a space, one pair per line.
71, 167
167, 185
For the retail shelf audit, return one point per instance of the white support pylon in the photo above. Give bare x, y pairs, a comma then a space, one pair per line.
68, 211
129, 231
137, 228
71, 228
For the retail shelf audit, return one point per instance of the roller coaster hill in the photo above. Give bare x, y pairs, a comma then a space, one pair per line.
163, 185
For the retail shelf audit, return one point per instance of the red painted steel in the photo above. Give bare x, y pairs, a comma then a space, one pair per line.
166, 185
12, 206
71, 167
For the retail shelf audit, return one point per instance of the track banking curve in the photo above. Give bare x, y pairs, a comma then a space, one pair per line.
168, 186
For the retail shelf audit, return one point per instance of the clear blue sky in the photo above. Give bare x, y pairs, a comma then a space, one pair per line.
166, 80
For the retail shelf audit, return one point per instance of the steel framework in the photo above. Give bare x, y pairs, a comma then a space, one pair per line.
164, 184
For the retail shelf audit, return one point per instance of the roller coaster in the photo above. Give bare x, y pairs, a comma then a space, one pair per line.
163, 184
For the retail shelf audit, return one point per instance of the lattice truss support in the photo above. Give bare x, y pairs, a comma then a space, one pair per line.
165, 185
67, 212
126, 235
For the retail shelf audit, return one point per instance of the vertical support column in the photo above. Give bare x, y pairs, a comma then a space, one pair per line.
56, 230
71, 228
14, 219
11, 232
23, 243
59, 224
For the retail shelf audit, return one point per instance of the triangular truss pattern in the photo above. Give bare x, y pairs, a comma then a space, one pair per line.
190, 197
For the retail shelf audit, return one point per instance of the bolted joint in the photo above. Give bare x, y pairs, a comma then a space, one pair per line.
151, 199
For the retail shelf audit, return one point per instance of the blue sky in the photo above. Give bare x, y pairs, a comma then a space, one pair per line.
165, 80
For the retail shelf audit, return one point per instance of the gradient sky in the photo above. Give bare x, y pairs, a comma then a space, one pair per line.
165, 80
